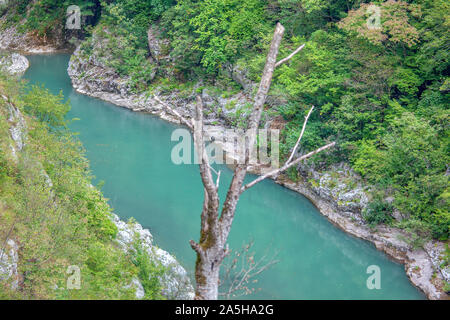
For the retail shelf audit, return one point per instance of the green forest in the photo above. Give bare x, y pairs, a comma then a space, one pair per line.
382, 93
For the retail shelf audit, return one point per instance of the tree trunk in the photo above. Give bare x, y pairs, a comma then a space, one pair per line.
212, 249
207, 275
214, 234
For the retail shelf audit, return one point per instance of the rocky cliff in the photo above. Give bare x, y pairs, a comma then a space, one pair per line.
91, 76
175, 281
11, 39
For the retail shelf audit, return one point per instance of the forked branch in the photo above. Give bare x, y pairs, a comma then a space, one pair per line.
300, 136
286, 166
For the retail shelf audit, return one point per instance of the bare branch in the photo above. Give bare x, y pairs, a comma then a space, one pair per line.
218, 180
238, 281
196, 247
286, 166
279, 63
205, 171
264, 85
175, 113
301, 135
213, 170
240, 171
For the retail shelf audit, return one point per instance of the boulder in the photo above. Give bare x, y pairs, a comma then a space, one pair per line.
14, 64
175, 281
9, 258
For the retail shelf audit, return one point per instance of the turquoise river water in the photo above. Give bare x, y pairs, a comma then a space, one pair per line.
131, 153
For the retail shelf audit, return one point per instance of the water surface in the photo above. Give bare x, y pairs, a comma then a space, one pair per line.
131, 153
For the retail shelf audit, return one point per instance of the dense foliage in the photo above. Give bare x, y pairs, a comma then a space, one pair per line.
46, 17
382, 92
50, 209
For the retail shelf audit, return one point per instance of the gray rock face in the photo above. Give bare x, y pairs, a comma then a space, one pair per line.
9, 259
156, 45
11, 39
227, 111
435, 250
17, 128
240, 75
137, 285
175, 282
91, 77
14, 64
340, 185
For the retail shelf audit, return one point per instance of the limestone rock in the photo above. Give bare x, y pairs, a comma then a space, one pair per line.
240, 75
156, 45
9, 259
11, 39
14, 64
137, 285
340, 185
175, 281
17, 127
436, 251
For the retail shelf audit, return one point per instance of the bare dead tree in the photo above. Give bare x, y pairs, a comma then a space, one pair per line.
212, 247
241, 269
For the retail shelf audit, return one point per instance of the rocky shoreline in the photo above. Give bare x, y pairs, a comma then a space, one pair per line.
175, 281
91, 77
422, 266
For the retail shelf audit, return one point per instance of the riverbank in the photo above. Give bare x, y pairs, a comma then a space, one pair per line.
27, 43
422, 266
173, 279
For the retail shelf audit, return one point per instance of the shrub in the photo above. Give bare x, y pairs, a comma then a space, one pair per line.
378, 211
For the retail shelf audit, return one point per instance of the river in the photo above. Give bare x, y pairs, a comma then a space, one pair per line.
131, 153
